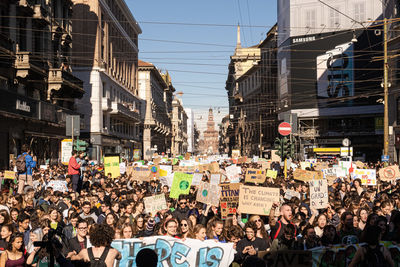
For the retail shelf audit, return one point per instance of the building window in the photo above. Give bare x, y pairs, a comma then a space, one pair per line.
359, 12
310, 20
334, 19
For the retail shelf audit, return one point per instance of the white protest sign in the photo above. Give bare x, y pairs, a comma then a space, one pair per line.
233, 173
215, 178
197, 178
367, 176
318, 194
155, 203
176, 252
167, 180
165, 170
58, 185
122, 167
291, 193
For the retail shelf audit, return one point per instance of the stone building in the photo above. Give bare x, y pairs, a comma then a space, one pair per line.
106, 59
179, 128
37, 87
210, 142
156, 89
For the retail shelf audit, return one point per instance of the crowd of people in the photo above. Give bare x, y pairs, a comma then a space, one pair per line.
39, 225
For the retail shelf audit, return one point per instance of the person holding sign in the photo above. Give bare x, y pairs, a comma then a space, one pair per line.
286, 217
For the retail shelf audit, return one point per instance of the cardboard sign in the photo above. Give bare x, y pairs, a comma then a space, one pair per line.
319, 166
235, 153
141, 174
291, 193
190, 252
58, 185
255, 176
181, 184
367, 176
272, 174
111, 165
208, 193
359, 164
319, 194
233, 173
155, 203
274, 156
157, 161
214, 167
215, 178
389, 173
9, 175
306, 176
257, 200
305, 164
187, 156
229, 199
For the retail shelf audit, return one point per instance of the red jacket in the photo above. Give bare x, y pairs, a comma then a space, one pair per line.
73, 166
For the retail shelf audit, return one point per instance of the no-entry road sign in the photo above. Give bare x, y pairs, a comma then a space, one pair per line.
284, 128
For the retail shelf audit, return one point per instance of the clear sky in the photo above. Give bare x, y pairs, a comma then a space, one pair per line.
193, 40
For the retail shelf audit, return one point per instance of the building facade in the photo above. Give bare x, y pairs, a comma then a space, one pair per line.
210, 142
106, 60
329, 83
37, 87
155, 89
179, 128
190, 130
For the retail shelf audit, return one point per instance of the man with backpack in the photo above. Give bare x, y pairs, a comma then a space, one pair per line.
25, 162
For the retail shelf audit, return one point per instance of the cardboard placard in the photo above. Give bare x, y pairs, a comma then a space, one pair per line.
141, 174
229, 199
319, 194
197, 177
215, 178
319, 166
155, 203
389, 173
111, 165
235, 153
9, 175
208, 193
272, 173
214, 167
181, 184
274, 156
257, 200
255, 176
359, 164
291, 193
306, 176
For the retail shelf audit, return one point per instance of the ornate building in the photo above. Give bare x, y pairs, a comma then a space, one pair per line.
209, 144
179, 128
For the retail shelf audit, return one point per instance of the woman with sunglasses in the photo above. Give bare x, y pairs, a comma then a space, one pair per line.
186, 229
261, 231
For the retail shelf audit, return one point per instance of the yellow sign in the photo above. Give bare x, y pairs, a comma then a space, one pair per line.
272, 174
9, 175
111, 165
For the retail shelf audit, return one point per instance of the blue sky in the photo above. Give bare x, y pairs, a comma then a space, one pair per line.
197, 56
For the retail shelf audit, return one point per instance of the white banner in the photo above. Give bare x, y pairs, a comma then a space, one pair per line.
175, 252
58, 185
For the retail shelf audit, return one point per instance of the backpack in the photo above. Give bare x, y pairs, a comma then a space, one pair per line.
373, 257
98, 262
21, 164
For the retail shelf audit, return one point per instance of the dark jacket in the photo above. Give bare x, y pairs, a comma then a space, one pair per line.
73, 245
181, 214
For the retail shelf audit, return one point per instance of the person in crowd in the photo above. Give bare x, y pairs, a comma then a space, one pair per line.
215, 230
74, 171
286, 241
25, 163
87, 212
348, 234
182, 210
80, 241
14, 254
186, 229
171, 228
285, 219
251, 244
6, 232
200, 232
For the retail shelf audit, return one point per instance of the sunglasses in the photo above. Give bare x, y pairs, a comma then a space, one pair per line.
183, 224
182, 202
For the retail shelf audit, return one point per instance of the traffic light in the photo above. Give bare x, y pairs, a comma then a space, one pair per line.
80, 145
285, 149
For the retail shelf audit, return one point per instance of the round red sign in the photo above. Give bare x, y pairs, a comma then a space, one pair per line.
284, 128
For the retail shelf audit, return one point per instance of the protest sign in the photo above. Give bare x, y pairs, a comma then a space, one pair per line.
154, 171
167, 180
272, 174
291, 193
165, 170
389, 173
229, 199
255, 176
176, 252
197, 178
208, 193
257, 200
235, 153
155, 203
318, 194
306, 176
58, 185
180, 184
122, 167
367, 176
215, 178
359, 164
111, 165
43, 167
141, 174
214, 167
233, 173
66, 150
321, 166
274, 156
305, 164
347, 166
9, 175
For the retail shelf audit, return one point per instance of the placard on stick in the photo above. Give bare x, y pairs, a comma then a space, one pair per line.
229, 199
306, 176
257, 200
208, 193
318, 194
155, 203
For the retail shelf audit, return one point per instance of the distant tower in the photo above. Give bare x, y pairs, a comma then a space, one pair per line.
210, 145
238, 43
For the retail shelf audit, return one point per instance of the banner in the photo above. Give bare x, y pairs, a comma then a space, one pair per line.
180, 184
111, 165
141, 174
9, 175
389, 173
367, 176
208, 193
176, 252
285, 258
155, 203
58, 185
229, 199
318, 194
256, 176
306, 176
257, 200
272, 174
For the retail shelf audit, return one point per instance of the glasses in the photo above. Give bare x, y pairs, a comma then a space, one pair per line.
183, 224
82, 228
182, 202
258, 220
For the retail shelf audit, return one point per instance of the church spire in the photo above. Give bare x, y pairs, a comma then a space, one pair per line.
238, 44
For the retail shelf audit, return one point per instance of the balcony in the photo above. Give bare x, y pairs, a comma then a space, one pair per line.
41, 14
120, 109
6, 44
106, 104
26, 3
61, 79
28, 64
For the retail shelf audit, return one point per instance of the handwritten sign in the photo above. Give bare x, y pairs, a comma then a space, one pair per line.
257, 200
318, 194
208, 193
111, 165
155, 203
9, 175
306, 176
58, 185
165, 170
180, 184
272, 174
389, 173
229, 199
215, 178
197, 178
167, 180
367, 176
141, 174
289, 194
255, 176
233, 173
